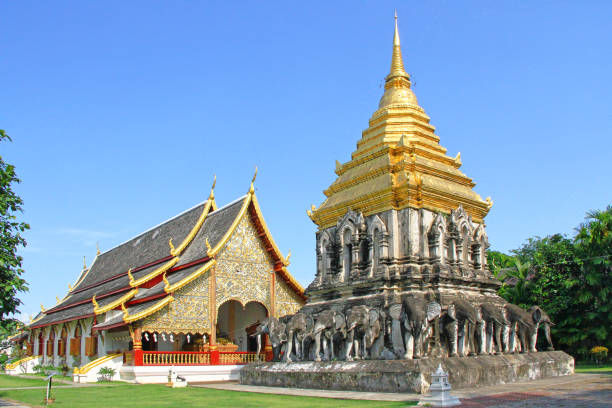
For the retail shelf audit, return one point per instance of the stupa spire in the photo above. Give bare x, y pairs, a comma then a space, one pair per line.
397, 83
397, 64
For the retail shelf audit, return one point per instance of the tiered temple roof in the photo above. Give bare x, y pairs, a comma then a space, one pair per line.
140, 276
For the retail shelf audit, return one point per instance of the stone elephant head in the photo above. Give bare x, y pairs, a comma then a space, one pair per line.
276, 331
328, 324
460, 323
545, 323
524, 325
496, 327
416, 316
363, 326
299, 329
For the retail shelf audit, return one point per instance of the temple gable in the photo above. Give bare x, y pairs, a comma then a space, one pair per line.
243, 269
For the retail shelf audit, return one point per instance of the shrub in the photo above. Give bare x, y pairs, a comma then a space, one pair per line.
599, 354
106, 374
3, 360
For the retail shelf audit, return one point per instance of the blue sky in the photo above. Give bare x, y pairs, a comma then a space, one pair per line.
121, 112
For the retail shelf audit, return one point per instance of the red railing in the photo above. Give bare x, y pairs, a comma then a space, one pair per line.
178, 358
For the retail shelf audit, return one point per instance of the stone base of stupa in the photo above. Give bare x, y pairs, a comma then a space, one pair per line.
409, 375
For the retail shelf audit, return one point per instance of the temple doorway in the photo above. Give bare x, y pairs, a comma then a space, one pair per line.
234, 321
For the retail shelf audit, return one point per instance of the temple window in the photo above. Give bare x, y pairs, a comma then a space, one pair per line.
75, 342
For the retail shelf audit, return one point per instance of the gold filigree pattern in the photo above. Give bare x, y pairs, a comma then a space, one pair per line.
287, 301
187, 314
243, 267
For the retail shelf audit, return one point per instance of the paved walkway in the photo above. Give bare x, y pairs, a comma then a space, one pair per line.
578, 390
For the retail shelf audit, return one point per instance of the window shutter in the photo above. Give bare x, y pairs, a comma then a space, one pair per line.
75, 346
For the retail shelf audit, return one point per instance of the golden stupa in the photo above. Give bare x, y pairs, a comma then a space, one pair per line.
399, 162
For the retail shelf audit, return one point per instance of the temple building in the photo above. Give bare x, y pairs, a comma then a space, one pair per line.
185, 292
400, 216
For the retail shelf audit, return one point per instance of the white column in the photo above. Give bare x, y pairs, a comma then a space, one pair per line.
45, 341
85, 332
101, 342
35, 344
55, 349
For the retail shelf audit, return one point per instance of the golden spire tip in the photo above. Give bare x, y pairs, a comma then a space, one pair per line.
252, 189
212, 189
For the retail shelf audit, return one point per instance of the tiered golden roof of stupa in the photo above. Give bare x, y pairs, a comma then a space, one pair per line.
399, 162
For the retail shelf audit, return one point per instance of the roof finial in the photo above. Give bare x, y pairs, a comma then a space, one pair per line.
397, 83
252, 189
97, 248
212, 189
397, 64
84, 263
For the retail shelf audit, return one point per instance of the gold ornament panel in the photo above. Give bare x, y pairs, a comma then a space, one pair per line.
188, 313
287, 301
243, 267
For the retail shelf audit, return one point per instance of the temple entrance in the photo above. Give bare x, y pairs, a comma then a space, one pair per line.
234, 321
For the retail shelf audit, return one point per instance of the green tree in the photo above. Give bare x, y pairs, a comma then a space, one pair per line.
553, 275
11, 282
593, 285
570, 279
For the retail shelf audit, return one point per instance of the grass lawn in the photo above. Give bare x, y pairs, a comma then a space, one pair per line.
8, 381
593, 368
154, 396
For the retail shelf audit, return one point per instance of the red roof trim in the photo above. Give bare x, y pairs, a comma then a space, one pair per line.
82, 302
146, 299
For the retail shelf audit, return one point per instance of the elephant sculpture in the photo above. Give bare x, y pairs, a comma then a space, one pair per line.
363, 326
460, 325
496, 326
417, 314
276, 331
299, 328
329, 323
545, 323
523, 324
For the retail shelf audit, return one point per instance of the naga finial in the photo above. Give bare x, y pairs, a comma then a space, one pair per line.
42, 308
171, 246
166, 283
125, 312
95, 303
97, 248
287, 262
69, 287
58, 299
212, 189
129, 273
208, 247
489, 202
252, 189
